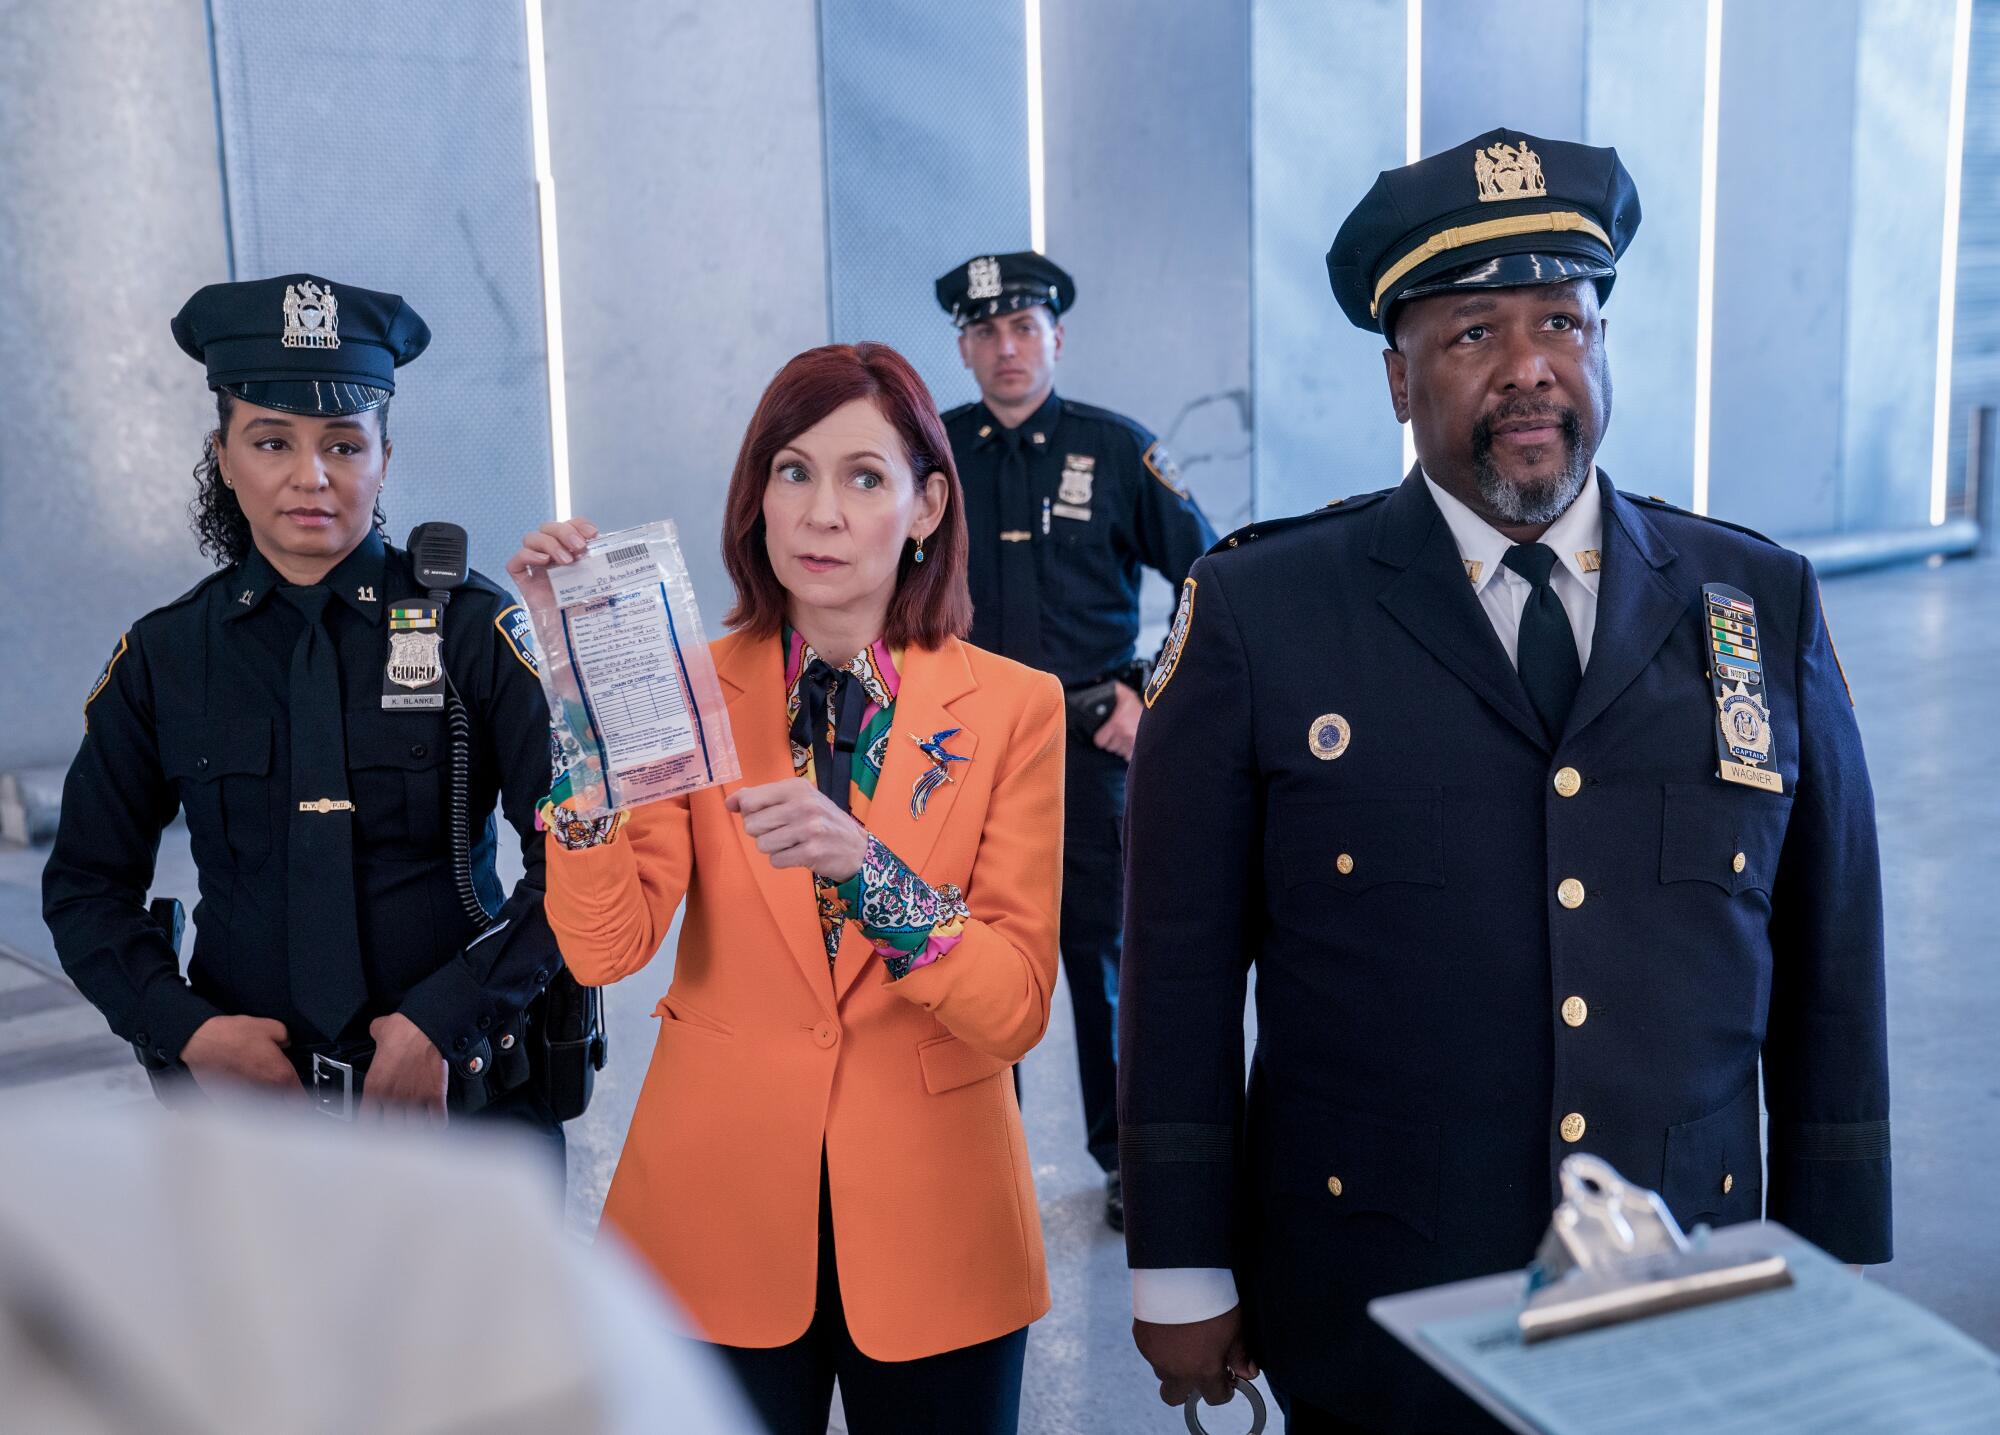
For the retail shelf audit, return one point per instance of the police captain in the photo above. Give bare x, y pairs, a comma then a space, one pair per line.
293, 705
1066, 505
1540, 810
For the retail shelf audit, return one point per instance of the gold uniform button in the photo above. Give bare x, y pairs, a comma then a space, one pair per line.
1575, 1011
1728, 1184
1333, 1185
1570, 893
1344, 863
1738, 862
1569, 782
1572, 1127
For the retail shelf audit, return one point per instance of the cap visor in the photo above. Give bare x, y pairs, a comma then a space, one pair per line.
321, 398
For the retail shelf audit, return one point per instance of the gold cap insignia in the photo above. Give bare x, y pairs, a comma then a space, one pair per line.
1508, 172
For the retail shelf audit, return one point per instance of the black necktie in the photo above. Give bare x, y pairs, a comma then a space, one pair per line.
323, 937
1020, 579
1547, 662
833, 766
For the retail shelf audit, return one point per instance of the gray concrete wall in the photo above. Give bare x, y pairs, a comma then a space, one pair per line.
926, 111
686, 151
1901, 110
1510, 64
1326, 115
1148, 164
1783, 202
400, 159
110, 216
1643, 97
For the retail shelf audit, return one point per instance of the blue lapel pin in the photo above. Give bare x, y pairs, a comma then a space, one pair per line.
938, 773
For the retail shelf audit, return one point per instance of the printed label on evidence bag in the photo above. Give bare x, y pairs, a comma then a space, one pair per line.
627, 659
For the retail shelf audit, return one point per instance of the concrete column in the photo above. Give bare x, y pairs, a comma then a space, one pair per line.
110, 216
1326, 116
689, 190
1148, 145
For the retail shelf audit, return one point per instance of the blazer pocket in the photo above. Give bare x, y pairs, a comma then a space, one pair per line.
1368, 839
1727, 836
677, 1015
1357, 1164
949, 1063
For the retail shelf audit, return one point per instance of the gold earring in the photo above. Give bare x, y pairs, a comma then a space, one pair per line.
920, 548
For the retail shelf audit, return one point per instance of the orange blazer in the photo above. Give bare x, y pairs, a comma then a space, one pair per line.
766, 1056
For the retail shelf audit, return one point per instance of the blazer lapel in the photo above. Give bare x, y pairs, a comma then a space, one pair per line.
753, 682
1637, 607
1431, 598
930, 682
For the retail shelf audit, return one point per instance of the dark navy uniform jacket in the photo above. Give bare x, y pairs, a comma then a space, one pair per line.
1405, 1117
1099, 532
191, 715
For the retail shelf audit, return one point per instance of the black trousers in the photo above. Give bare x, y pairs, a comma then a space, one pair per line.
975, 1390
1093, 913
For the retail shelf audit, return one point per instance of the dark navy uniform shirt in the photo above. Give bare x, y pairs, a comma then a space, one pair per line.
1099, 523
191, 715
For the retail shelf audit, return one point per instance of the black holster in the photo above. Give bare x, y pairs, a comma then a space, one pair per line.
568, 1043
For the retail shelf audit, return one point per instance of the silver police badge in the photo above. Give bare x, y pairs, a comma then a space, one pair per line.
1078, 475
982, 279
416, 660
312, 317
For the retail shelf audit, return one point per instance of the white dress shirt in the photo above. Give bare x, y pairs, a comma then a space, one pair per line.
1180, 1295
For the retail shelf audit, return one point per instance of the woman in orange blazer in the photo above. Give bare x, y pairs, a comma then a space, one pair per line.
826, 1163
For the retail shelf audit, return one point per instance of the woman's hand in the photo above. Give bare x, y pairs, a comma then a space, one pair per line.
797, 826
552, 543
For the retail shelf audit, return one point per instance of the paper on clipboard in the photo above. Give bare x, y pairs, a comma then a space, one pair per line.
1829, 1352
637, 710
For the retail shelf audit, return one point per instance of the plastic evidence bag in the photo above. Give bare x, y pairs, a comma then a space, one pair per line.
638, 713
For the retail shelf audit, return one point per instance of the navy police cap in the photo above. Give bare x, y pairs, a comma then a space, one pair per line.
300, 343
995, 283
1502, 210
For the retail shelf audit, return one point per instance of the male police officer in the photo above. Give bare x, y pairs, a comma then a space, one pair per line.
1542, 812
296, 706
1065, 503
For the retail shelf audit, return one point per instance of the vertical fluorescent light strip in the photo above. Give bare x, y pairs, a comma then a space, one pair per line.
1954, 160
1413, 136
1704, 301
1037, 213
545, 195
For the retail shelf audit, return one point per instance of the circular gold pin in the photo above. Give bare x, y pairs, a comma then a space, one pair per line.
1329, 736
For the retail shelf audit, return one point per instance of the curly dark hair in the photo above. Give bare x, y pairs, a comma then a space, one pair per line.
214, 514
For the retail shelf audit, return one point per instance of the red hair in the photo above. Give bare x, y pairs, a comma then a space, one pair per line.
931, 601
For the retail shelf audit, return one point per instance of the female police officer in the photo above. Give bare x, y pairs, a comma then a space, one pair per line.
294, 705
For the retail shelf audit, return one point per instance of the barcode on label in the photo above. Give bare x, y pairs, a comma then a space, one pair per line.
626, 554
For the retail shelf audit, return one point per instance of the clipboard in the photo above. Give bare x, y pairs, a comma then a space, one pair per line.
1695, 1334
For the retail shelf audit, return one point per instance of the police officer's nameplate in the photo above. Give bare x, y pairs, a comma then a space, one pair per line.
1743, 737
413, 677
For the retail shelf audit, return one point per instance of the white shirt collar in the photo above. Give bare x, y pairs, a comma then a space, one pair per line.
1577, 537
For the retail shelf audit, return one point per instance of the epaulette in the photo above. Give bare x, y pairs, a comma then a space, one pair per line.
193, 593
958, 411
1139, 431
1264, 528
1653, 500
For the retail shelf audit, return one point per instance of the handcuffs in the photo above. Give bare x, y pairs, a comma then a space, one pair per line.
1193, 1405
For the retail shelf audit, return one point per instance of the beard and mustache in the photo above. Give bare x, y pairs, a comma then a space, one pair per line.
1544, 497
